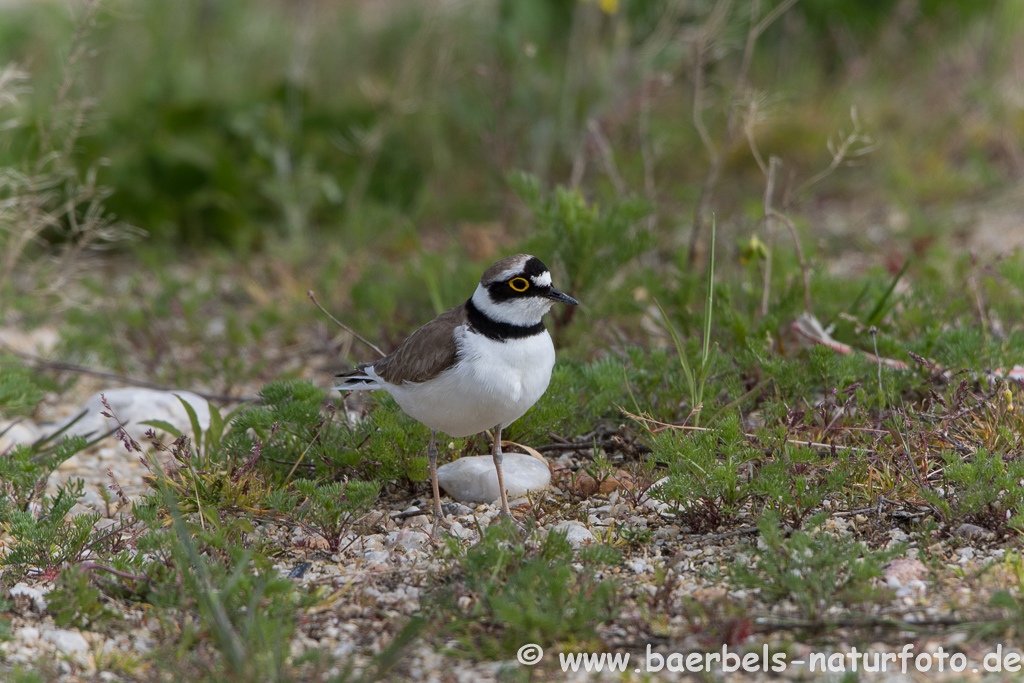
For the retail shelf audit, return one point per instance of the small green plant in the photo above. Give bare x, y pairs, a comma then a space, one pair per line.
329, 510
696, 380
25, 468
20, 390
249, 614
983, 489
589, 245
33, 675
635, 537
520, 593
813, 568
75, 602
44, 540
5, 623
297, 432
706, 478
796, 482
207, 445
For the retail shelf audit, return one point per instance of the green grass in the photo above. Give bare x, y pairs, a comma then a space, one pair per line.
813, 568
383, 162
522, 593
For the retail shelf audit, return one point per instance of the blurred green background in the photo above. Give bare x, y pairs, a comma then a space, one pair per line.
337, 136
234, 123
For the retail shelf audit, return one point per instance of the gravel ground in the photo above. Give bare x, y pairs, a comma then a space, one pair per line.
386, 568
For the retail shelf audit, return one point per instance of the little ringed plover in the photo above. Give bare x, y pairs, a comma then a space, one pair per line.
478, 366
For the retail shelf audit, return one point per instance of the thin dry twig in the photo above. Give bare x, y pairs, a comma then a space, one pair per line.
115, 572
708, 33
607, 157
749, 120
703, 44
57, 366
769, 190
662, 426
344, 326
852, 146
647, 151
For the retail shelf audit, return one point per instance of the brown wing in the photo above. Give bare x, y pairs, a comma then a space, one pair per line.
426, 352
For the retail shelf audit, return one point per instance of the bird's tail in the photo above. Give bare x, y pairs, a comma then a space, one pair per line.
362, 378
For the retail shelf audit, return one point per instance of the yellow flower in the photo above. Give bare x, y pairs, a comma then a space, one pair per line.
607, 6
754, 250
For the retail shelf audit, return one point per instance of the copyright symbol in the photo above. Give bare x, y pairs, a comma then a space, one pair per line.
530, 654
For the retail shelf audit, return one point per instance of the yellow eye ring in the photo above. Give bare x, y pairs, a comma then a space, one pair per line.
519, 284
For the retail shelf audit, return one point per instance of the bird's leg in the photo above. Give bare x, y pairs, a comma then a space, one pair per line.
432, 457
505, 512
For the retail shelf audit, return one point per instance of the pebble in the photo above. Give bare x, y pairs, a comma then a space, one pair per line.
35, 595
474, 480
974, 532
17, 432
639, 566
133, 406
39, 341
92, 499
68, 642
142, 640
29, 633
407, 539
576, 533
377, 556
459, 531
374, 542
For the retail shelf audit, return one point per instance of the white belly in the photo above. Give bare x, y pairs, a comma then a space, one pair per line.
493, 383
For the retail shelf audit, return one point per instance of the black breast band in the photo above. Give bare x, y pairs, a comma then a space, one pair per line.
499, 331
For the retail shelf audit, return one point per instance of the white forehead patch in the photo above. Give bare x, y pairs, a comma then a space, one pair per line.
542, 280
508, 274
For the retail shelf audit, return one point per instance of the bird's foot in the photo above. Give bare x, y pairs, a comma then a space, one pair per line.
439, 522
507, 514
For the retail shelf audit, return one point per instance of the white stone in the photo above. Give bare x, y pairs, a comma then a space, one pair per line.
344, 650
142, 642
973, 531
29, 633
133, 406
656, 505
912, 589
376, 556
39, 341
459, 531
68, 642
474, 480
37, 596
407, 539
638, 566
576, 533
374, 542
17, 432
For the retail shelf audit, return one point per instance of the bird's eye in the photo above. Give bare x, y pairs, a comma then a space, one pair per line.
520, 284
